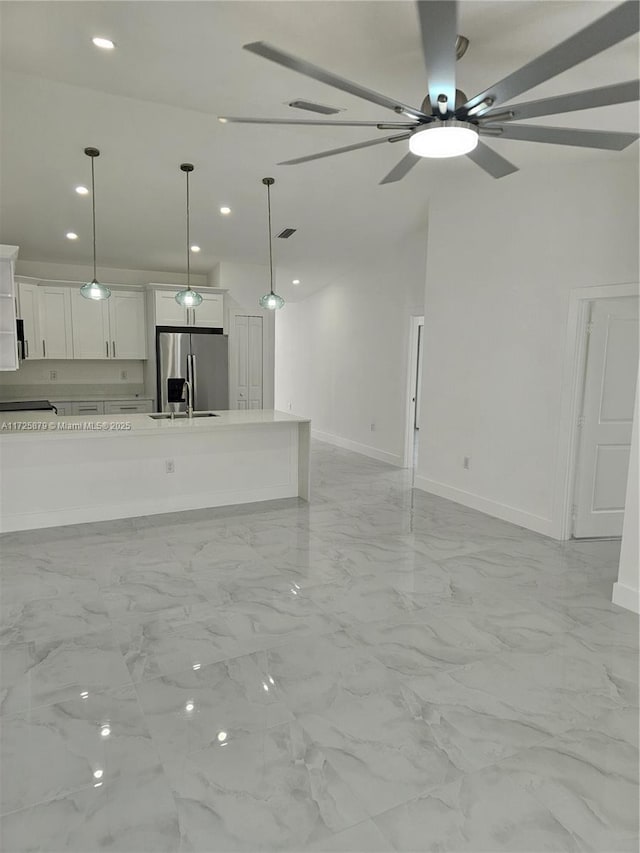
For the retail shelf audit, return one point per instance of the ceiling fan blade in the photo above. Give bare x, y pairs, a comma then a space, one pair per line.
328, 122
493, 163
605, 139
333, 151
619, 93
401, 169
439, 29
616, 25
261, 48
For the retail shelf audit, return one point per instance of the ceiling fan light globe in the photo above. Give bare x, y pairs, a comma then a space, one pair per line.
94, 290
271, 301
444, 139
188, 298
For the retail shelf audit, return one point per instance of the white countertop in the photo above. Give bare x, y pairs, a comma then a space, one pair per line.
27, 425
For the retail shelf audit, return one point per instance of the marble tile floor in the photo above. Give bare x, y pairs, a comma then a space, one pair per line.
379, 670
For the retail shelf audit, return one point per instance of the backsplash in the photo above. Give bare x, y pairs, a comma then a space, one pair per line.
86, 378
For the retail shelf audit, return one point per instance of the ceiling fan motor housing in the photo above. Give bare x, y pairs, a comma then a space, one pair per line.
461, 100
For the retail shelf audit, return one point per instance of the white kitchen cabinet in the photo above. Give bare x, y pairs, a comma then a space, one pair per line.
29, 312
209, 314
109, 328
90, 323
247, 362
91, 407
56, 336
8, 327
127, 407
127, 324
168, 312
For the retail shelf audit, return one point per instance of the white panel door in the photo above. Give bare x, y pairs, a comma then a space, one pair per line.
56, 338
241, 345
127, 324
28, 311
255, 362
607, 417
210, 312
90, 324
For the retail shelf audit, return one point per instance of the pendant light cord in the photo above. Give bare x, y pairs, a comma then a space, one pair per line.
270, 239
93, 211
188, 255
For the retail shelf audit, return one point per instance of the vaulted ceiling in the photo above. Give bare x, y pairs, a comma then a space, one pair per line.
153, 103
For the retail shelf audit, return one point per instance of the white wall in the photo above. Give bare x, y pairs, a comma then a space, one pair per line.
626, 592
502, 258
341, 354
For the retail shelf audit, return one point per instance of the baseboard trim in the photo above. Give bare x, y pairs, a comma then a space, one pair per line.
364, 449
493, 508
626, 596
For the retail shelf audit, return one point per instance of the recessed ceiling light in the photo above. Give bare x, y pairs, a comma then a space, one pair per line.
71, 235
82, 190
225, 211
195, 248
105, 44
296, 281
222, 120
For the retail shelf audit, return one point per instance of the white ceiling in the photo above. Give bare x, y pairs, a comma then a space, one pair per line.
152, 104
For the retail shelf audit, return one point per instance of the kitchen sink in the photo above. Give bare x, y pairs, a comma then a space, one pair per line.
167, 416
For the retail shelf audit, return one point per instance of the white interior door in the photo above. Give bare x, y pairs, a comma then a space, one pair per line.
241, 345
255, 362
607, 418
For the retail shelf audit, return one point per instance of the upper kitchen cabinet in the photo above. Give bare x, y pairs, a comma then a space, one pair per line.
8, 327
56, 336
29, 312
110, 328
127, 324
209, 314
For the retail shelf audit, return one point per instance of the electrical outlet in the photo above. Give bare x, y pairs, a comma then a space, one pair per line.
53, 375
466, 462
373, 427
170, 466
123, 374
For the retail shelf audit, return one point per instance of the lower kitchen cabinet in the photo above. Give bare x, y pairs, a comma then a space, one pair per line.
127, 407
94, 408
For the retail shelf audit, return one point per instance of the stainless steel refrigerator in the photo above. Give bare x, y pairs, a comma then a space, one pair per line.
198, 355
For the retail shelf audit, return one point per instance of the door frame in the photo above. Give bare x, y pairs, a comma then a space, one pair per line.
415, 321
575, 365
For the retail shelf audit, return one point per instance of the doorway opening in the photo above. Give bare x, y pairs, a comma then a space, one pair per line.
414, 384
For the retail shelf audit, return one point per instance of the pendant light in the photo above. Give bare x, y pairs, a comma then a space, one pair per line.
188, 298
270, 300
93, 289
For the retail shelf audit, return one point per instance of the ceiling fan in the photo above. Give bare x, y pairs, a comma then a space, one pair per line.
449, 124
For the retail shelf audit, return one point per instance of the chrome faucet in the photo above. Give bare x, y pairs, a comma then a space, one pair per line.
189, 398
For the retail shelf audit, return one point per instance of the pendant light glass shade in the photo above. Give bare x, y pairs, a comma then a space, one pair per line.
270, 300
93, 289
188, 298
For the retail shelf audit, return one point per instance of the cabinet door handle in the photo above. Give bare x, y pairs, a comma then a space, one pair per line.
128, 408
44, 349
106, 343
26, 347
113, 347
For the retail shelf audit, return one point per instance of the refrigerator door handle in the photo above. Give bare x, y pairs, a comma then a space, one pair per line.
194, 386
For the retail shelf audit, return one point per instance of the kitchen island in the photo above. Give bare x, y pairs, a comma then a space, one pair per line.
67, 470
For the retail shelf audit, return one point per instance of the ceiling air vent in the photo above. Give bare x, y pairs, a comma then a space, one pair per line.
314, 108
286, 233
